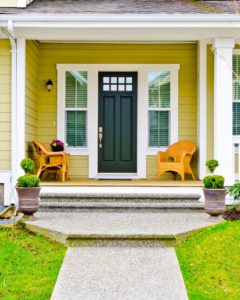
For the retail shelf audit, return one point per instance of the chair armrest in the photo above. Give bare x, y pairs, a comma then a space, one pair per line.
184, 154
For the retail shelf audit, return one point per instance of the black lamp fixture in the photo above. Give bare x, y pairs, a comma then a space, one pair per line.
49, 84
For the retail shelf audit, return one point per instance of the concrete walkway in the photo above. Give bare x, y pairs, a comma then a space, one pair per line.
114, 273
125, 260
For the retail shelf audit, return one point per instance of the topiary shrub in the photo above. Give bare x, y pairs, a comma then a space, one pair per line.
213, 182
28, 180
212, 164
27, 165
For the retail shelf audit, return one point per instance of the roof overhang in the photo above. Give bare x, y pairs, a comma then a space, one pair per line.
126, 27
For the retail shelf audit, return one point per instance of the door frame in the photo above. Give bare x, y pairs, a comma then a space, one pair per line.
142, 112
120, 94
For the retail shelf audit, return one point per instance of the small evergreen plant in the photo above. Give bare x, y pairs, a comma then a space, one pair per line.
213, 181
28, 180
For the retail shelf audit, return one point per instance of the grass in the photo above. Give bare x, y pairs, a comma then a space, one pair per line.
210, 262
29, 265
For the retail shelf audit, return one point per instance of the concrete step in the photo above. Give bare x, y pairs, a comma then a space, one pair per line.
116, 197
119, 202
63, 206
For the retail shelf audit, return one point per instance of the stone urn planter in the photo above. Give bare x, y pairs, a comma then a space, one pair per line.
28, 199
214, 201
28, 190
214, 191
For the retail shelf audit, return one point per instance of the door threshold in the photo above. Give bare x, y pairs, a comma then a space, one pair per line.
113, 176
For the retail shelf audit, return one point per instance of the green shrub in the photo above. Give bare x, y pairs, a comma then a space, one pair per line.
28, 180
234, 191
213, 182
27, 165
212, 164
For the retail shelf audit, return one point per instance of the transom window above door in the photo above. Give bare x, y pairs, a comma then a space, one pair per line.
117, 83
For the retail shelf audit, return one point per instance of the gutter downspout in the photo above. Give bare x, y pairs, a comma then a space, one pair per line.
10, 34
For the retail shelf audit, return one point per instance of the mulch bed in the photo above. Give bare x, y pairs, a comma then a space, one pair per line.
232, 214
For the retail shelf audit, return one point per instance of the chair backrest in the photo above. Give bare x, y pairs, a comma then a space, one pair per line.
179, 148
40, 148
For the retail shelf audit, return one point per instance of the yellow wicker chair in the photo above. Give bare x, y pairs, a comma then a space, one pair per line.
176, 159
51, 160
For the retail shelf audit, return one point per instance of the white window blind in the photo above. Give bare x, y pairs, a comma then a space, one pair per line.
76, 108
159, 107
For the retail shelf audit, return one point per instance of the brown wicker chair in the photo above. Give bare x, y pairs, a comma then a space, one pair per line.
176, 159
51, 160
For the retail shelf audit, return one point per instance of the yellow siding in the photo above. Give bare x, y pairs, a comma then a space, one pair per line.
52, 54
5, 105
32, 65
78, 167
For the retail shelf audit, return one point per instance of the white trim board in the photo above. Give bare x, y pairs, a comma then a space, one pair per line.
142, 109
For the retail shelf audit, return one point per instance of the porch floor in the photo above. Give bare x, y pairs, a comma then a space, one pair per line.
124, 183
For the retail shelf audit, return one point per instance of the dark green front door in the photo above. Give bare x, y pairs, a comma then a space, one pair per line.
117, 123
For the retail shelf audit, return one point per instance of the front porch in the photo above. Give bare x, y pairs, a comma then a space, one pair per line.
181, 83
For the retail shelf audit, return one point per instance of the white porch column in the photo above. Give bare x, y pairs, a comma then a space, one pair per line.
223, 107
202, 107
19, 151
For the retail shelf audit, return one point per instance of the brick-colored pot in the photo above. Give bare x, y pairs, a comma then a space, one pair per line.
215, 201
28, 199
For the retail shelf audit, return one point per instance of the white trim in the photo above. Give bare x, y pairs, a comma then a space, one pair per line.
5, 178
202, 108
142, 108
13, 106
185, 19
223, 146
21, 106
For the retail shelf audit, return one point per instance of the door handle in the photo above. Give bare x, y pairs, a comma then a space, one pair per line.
100, 136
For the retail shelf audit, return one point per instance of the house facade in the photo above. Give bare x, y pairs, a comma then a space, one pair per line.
127, 82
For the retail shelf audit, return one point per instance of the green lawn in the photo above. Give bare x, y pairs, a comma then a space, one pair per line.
210, 262
29, 265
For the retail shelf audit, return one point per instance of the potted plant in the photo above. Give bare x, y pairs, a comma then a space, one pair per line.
214, 191
57, 145
28, 189
233, 212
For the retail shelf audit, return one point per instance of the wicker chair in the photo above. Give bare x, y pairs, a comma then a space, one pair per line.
176, 159
51, 160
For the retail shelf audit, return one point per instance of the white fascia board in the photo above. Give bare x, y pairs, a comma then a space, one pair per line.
159, 21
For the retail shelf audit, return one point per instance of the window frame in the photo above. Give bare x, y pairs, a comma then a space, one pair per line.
173, 110
75, 109
236, 138
159, 109
62, 111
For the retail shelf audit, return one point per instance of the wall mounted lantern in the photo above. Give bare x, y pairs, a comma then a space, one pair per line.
49, 84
